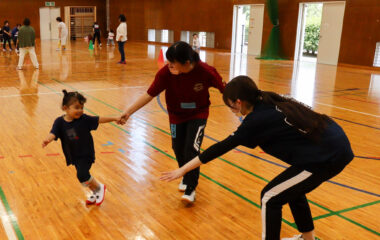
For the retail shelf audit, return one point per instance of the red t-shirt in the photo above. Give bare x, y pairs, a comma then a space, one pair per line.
187, 95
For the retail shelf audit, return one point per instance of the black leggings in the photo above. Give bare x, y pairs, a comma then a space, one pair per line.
97, 36
187, 138
15, 42
291, 187
9, 43
83, 170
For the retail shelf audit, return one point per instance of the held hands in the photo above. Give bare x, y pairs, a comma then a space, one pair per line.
172, 175
123, 118
46, 142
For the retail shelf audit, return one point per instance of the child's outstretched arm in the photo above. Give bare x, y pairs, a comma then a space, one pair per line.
109, 119
48, 140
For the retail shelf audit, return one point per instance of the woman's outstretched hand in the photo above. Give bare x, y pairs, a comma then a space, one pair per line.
172, 175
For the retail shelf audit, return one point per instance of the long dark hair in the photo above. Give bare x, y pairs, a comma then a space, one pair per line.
182, 52
71, 97
300, 116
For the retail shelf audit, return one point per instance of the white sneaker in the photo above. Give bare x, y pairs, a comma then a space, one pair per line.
295, 237
19, 68
100, 195
4, 50
182, 187
188, 198
91, 199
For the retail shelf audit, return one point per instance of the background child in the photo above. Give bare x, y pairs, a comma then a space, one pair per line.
196, 43
111, 35
74, 129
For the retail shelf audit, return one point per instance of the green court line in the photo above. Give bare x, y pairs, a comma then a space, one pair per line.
11, 216
346, 210
247, 171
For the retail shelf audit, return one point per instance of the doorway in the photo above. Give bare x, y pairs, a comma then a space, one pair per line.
48, 23
319, 32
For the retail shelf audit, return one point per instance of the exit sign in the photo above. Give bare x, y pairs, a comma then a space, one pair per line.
49, 4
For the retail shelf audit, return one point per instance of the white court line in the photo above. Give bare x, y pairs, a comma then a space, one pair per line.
117, 88
51, 93
7, 223
347, 109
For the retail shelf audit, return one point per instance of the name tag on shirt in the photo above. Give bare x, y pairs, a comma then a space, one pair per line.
191, 105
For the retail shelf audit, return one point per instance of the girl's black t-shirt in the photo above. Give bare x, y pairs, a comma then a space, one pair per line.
76, 138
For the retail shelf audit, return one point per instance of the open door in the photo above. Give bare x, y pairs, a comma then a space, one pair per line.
240, 27
256, 20
330, 33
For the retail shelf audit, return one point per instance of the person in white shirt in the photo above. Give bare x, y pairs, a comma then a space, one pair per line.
111, 34
196, 43
62, 33
121, 37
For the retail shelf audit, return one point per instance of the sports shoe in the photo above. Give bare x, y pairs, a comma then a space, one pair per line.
100, 195
121, 62
4, 50
91, 199
188, 197
295, 237
19, 68
182, 187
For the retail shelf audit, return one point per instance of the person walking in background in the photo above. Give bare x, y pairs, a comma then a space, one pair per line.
62, 33
121, 37
96, 29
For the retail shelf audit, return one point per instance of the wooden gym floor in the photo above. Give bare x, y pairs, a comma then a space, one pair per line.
42, 199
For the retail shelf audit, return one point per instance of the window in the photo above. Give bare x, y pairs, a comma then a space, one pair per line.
185, 36
151, 35
165, 36
202, 39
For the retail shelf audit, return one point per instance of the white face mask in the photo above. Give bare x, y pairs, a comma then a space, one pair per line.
174, 71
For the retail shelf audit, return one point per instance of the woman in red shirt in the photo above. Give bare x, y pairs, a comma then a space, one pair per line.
186, 80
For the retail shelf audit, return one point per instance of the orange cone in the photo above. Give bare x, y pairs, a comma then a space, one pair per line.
161, 61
